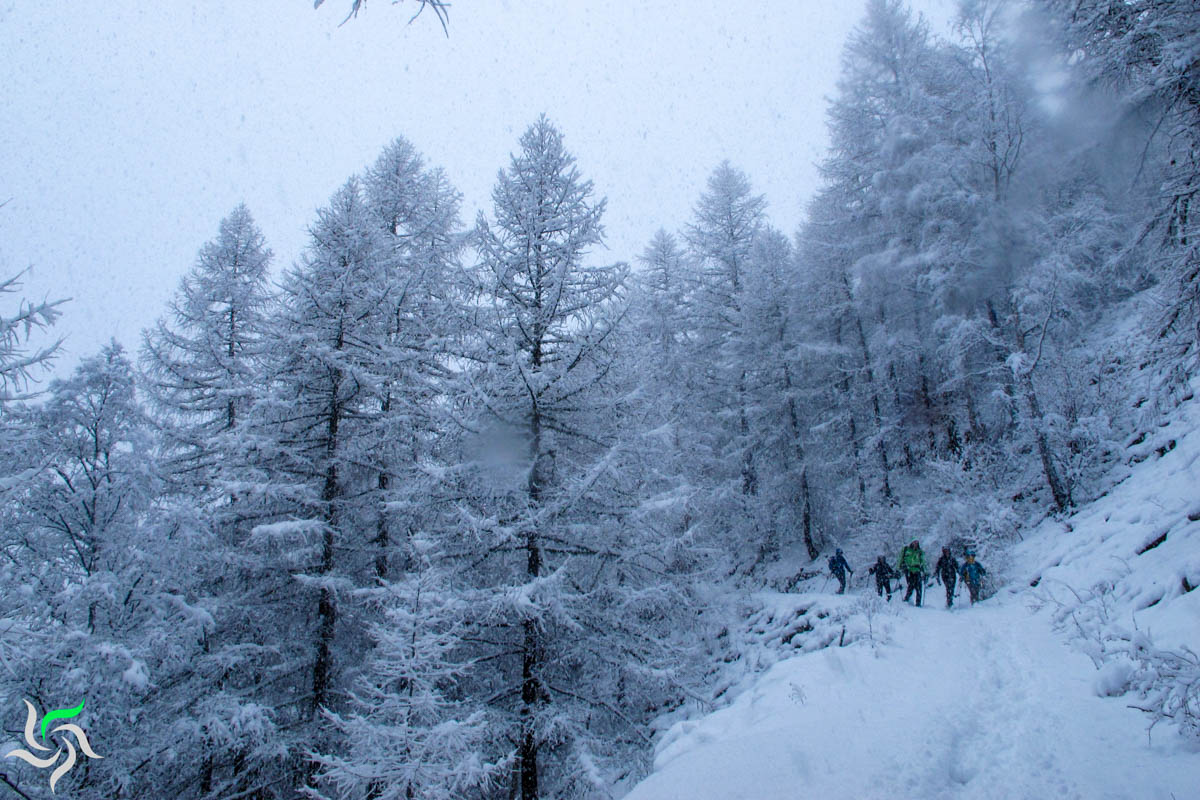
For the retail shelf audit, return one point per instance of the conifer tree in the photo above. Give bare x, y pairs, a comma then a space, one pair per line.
203, 362
558, 567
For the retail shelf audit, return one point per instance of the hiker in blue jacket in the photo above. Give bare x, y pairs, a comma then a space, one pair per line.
972, 573
838, 566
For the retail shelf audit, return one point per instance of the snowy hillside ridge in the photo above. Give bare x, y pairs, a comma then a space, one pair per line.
1139, 543
1120, 575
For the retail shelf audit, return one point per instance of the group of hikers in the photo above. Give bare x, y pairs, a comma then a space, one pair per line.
913, 568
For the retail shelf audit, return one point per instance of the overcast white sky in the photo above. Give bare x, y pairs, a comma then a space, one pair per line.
130, 128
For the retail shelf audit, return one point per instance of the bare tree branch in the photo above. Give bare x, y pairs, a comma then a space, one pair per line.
440, 8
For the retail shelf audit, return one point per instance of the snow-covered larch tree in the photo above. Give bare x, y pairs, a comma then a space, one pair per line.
307, 501
564, 582
107, 604
657, 355
203, 361
410, 730
418, 214
726, 220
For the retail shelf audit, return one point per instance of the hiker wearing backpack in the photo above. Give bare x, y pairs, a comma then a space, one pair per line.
838, 567
884, 574
946, 572
972, 573
912, 566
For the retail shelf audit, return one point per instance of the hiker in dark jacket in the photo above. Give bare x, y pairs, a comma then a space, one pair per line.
839, 567
884, 574
972, 573
912, 566
946, 572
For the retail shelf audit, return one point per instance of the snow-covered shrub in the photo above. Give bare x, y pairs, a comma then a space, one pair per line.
1166, 680
872, 610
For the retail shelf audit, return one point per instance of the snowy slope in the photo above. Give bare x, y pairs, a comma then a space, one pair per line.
1140, 543
985, 702
1014, 698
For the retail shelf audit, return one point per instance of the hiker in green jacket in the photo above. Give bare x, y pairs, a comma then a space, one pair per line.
912, 567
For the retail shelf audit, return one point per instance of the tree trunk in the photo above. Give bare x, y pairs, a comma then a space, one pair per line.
382, 534
527, 750
1062, 498
994, 321
326, 606
206, 776
231, 352
327, 603
910, 463
527, 753
852, 427
975, 432
927, 402
798, 442
869, 372
749, 473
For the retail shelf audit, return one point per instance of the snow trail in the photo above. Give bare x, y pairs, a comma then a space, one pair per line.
977, 702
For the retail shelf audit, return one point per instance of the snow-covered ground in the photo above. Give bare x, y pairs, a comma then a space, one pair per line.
1002, 700
984, 702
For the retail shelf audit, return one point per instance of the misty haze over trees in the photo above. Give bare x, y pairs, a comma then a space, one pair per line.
458, 508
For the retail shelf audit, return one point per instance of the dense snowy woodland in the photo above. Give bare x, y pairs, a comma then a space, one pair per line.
470, 509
